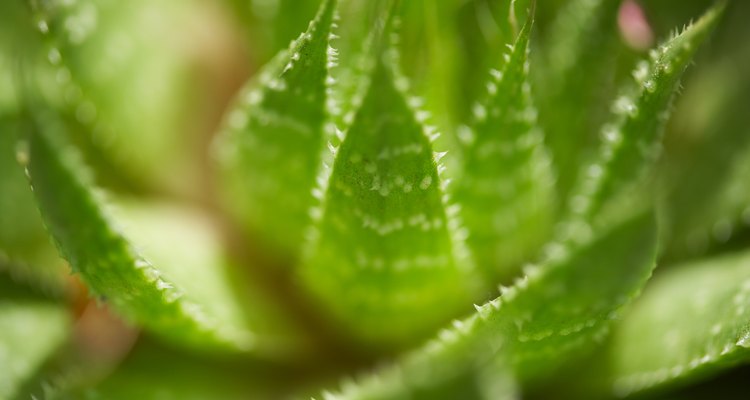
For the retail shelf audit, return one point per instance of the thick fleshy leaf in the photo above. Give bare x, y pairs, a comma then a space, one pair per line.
484, 28
384, 240
272, 146
632, 142
568, 303
506, 187
556, 311
202, 270
447, 48
577, 57
30, 332
694, 320
126, 70
112, 269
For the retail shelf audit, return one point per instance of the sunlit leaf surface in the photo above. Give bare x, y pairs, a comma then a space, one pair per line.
272, 146
506, 188
113, 270
276, 226
555, 312
632, 142
385, 239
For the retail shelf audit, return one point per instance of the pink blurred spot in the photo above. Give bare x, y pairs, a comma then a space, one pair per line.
634, 26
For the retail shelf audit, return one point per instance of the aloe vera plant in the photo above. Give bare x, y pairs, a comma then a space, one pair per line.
458, 199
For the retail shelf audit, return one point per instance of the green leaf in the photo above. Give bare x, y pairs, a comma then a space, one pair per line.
577, 293
112, 269
447, 47
202, 271
130, 79
358, 40
20, 225
437, 371
270, 151
25, 248
384, 241
693, 321
30, 332
576, 64
558, 310
633, 141
506, 188
450, 45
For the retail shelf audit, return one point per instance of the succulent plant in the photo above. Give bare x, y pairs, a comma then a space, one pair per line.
329, 233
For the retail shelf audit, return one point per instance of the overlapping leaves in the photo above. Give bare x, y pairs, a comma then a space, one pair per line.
505, 187
272, 148
380, 244
546, 317
384, 240
110, 266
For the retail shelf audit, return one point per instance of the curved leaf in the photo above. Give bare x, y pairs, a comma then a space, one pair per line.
271, 149
108, 264
692, 321
558, 310
186, 247
127, 71
383, 241
506, 187
579, 291
633, 141
25, 248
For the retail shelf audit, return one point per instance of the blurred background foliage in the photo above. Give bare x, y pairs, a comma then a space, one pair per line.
145, 89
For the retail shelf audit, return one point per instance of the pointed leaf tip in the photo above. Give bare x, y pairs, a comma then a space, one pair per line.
383, 241
523, 333
506, 186
279, 144
631, 143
